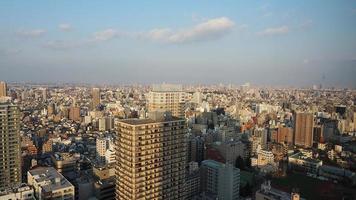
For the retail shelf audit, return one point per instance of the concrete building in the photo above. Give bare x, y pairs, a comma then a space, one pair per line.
195, 149
303, 129
151, 157
65, 162
268, 193
74, 113
222, 180
231, 150
285, 135
101, 147
10, 154
48, 183
304, 162
3, 89
20, 192
95, 98
104, 185
167, 97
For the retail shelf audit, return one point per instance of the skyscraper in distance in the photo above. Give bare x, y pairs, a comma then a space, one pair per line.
3, 89
303, 129
150, 158
95, 98
10, 154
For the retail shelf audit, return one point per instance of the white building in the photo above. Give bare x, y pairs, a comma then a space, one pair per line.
50, 184
167, 97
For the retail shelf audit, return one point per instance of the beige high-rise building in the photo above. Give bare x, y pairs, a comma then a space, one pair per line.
96, 98
150, 155
10, 155
3, 89
167, 97
303, 135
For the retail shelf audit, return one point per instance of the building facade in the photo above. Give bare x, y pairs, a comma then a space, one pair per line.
167, 97
10, 154
150, 156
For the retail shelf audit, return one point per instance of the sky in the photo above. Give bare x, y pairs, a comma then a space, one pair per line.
266, 42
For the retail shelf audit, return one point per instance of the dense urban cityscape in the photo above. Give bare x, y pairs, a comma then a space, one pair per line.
167, 141
177, 100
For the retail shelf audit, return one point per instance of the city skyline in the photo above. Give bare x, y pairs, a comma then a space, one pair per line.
263, 42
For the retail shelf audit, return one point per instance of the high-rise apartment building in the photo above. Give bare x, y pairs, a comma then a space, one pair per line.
150, 156
285, 135
10, 155
167, 97
3, 89
220, 180
95, 98
74, 113
303, 129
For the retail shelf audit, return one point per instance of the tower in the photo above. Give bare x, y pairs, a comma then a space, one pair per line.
3, 89
150, 157
304, 123
10, 155
96, 98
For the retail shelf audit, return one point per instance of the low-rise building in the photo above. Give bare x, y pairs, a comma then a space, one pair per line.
48, 183
20, 192
304, 162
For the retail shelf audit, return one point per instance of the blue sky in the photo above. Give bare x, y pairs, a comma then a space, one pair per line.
287, 43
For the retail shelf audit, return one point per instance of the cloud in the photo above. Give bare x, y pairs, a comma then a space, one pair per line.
69, 44
306, 24
107, 34
11, 51
65, 27
274, 31
31, 33
208, 30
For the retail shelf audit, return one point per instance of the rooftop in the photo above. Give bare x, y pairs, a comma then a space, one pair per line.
54, 180
136, 121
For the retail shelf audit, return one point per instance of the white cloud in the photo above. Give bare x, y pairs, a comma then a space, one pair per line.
306, 24
107, 34
62, 44
208, 30
274, 31
31, 33
65, 27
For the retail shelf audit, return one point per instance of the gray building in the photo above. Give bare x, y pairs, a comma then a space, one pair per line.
222, 180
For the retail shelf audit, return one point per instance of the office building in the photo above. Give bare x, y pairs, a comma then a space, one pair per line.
10, 154
50, 184
150, 156
220, 180
167, 97
303, 129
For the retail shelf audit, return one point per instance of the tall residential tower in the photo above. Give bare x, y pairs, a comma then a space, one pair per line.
303, 129
10, 155
150, 158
